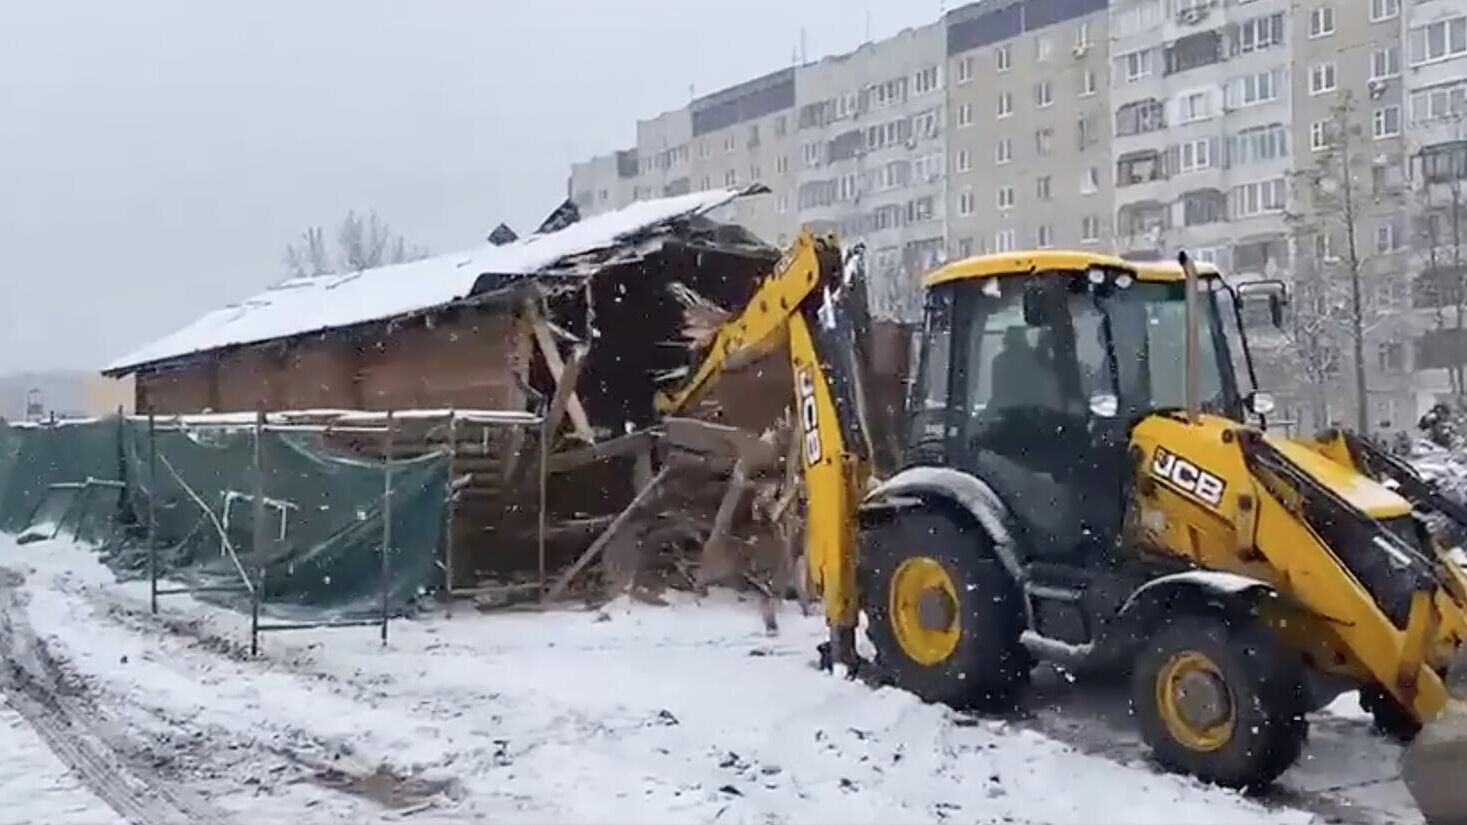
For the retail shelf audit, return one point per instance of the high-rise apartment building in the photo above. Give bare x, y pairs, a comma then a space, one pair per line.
1029, 105
870, 130
1134, 126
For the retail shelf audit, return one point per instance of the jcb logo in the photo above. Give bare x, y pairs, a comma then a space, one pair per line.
809, 414
1188, 477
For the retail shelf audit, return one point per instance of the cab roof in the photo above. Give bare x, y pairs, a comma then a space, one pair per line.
1042, 260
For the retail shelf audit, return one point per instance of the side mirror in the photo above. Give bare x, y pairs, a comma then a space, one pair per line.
1104, 405
1261, 403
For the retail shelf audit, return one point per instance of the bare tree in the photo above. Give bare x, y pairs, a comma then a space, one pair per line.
363, 242
1336, 195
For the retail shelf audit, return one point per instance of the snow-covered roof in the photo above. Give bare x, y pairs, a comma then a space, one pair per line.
301, 306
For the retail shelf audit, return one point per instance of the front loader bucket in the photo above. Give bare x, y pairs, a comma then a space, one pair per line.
1434, 765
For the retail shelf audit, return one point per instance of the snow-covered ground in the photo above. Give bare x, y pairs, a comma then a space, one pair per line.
686, 713
35, 786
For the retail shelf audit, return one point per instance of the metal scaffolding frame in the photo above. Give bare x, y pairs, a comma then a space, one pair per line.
252, 576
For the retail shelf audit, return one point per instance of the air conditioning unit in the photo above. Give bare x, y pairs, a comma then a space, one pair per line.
1081, 50
1193, 15
1377, 88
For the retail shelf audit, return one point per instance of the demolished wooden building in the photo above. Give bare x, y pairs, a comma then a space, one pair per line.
588, 307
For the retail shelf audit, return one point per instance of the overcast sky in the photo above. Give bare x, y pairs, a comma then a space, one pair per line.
156, 157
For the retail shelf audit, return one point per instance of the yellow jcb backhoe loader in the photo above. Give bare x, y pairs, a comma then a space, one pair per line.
1085, 484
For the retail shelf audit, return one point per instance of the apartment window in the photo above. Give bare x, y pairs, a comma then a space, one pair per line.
705, 184
755, 173
1444, 102
1384, 10
728, 143
730, 178
1005, 104
1140, 117
1390, 357
1043, 188
1387, 238
1090, 181
1005, 197
962, 248
1003, 57
927, 124
1082, 35
1043, 94
1134, 65
1139, 167
965, 202
813, 152
1259, 198
1087, 83
929, 167
1322, 21
965, 70
782, 204
1043, 48
781, 126
1043, 141
1004, 241
1439, 40
1259, 33
1386, 122
965, 115
1203, 206
1322, 78
702, 148
1385, 63
1319, 135
1259, 143
1195, 154
1324, 248
781, 165
965, 161
1194, 106
1044, 236
1086, 128
1090, 228
925, 81
1145, 15
1254, 89
1003, 152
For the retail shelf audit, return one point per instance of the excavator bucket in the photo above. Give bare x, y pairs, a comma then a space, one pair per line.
1434, 765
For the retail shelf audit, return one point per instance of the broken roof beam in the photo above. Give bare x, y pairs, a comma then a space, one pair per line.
564, 379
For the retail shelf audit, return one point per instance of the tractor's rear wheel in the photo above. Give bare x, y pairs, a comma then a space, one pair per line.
1217, 698
942, 612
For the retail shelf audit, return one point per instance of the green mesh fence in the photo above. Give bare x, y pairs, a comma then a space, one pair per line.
318, 557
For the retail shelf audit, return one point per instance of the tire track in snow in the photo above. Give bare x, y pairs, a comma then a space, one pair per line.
77, 733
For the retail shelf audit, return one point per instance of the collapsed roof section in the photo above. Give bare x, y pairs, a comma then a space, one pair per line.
315, 305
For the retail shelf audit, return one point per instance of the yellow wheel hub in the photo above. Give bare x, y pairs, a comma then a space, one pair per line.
923, 609
1194, 702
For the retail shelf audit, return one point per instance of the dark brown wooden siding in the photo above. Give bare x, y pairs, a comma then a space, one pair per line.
468, 361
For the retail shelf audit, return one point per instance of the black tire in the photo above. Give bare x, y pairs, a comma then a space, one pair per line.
987, 666
1387, 716
1262, 682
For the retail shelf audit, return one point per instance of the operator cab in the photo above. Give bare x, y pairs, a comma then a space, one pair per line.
1035, 366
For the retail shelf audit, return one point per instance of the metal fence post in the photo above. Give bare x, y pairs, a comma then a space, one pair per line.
152, 512
386, 518
257, 544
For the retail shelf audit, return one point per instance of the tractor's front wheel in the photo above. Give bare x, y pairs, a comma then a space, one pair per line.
1215, 697
942, 612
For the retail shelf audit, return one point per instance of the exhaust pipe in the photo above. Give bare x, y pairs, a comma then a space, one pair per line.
1432, 765
1189, 361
